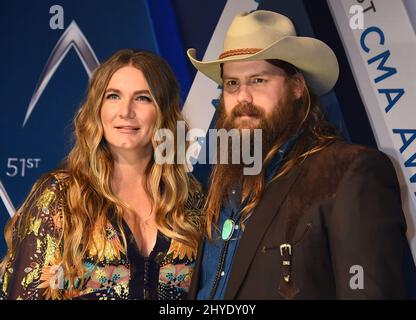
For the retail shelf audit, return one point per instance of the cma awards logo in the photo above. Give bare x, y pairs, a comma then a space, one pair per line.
72, 38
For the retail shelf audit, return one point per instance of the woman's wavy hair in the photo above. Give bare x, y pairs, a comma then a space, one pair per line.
314, 134
89, 169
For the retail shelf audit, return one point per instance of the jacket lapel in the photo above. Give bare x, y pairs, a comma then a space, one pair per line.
256, 228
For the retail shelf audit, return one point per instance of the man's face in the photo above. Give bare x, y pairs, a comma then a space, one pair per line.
252, 90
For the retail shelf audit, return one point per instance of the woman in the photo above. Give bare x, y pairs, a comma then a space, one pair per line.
113, 224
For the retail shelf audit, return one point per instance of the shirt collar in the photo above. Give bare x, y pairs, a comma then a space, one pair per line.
277, 160
272, 168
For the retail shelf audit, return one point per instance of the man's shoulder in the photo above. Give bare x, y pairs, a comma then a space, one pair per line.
332, 162
340, 148
343, 154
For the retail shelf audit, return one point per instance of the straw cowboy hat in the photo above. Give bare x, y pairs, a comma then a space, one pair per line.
261, 35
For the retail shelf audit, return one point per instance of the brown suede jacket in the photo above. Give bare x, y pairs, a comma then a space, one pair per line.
340, 212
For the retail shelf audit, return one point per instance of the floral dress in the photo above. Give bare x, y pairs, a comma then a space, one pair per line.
33, 272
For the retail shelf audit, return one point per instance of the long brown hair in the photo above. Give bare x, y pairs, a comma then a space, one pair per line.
89, 169
314, 133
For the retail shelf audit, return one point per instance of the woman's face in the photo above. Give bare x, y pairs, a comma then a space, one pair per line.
128, 112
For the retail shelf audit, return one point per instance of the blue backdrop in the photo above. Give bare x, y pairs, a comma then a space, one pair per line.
162, 26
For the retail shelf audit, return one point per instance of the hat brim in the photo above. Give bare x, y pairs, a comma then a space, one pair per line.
313, 57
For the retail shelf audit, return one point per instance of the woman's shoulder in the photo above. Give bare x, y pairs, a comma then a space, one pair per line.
195, 201
194, 206
60, 177
196, 195
55, 180
47, 196
38, 221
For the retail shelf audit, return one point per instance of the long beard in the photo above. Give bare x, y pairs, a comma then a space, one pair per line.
276, 129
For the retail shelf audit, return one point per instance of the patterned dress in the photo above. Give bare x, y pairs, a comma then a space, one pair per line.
34, 272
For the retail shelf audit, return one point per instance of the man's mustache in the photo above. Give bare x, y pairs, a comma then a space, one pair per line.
246, 109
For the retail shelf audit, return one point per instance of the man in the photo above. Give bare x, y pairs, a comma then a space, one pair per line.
323, 219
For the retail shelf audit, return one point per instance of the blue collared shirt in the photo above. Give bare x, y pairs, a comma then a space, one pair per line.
212, 249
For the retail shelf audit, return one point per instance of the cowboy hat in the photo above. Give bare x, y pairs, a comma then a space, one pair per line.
262, 35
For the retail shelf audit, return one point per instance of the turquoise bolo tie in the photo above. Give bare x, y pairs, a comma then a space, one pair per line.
230, 225
228, 229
